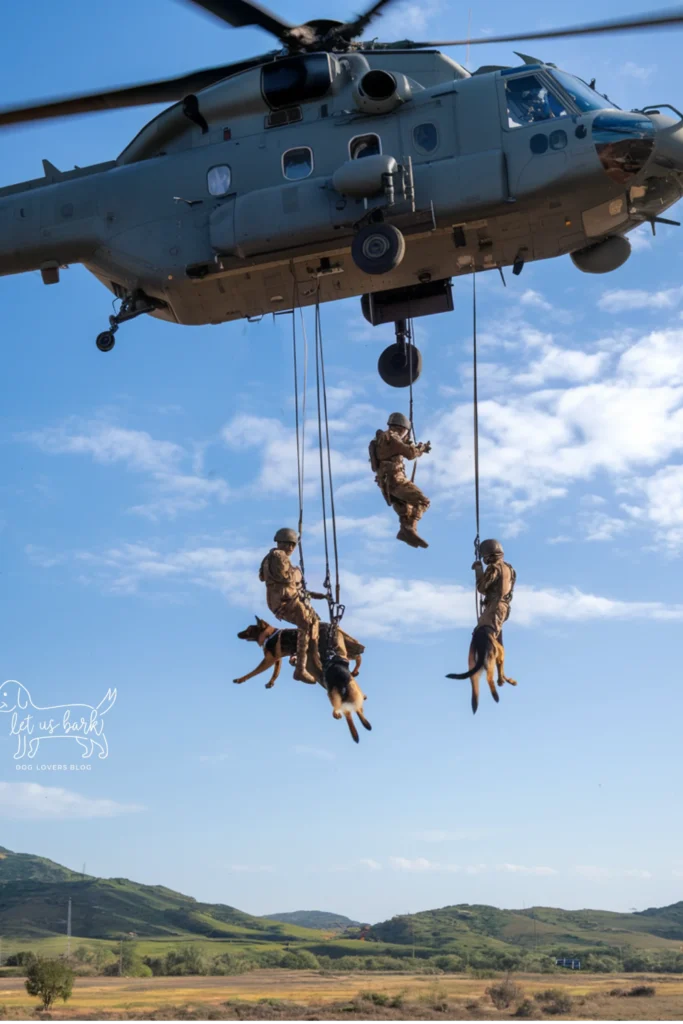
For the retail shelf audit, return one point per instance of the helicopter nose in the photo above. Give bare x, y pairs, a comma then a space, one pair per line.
624, 142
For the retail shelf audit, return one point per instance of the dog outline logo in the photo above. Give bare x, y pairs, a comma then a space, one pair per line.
80, 722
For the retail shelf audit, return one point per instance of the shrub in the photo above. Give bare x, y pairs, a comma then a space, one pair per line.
376, 998
504, 993
525, 1009
49, 979
642, 990
554, 1001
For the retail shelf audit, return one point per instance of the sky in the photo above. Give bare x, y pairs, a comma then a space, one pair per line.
141, 489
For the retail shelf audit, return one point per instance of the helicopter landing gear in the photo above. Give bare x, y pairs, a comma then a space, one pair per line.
400, 365
105, 341
134, 304
378, 248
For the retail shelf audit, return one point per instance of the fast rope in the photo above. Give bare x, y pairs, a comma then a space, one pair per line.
410, 351
333, 601
475, 404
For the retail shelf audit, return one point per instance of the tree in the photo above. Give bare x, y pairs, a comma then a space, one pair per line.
49, 979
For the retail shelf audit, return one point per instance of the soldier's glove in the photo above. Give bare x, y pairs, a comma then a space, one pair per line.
426, 447
477, 565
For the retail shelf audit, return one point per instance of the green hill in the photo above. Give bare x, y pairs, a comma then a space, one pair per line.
35, 892
319, 919
536, 928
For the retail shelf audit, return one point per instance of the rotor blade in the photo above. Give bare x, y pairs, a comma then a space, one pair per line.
353, 29
671, 17
241, 13
169, 90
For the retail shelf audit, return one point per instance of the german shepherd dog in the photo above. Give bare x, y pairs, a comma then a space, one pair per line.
485, 651
340, 683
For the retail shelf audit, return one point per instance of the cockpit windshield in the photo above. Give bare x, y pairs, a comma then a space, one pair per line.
585, 98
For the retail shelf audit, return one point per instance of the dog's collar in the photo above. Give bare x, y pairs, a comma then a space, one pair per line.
266, 636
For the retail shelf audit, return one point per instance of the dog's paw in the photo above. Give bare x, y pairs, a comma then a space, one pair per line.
238, 681
269, 686
355, 673
336, 714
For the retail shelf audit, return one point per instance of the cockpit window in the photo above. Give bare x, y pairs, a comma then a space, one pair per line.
529, 101
297, 163
582, 94
364, 145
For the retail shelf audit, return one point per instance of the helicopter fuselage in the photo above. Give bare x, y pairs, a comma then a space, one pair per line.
246, 199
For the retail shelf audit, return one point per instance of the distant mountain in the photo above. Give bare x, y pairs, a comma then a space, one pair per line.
320, 919
449, 927
24, 866
34, 895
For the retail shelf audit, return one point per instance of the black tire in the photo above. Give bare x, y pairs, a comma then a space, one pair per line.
105, 341
397, 365
378, 248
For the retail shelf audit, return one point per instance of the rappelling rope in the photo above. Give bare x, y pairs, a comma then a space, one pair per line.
475, 404
300, 423
410, 371
336, 609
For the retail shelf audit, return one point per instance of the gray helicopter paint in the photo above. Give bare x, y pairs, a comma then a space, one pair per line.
141, 222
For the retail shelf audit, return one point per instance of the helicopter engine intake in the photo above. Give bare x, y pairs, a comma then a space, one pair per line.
380, 92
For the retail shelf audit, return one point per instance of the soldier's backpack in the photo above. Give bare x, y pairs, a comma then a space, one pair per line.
372, 450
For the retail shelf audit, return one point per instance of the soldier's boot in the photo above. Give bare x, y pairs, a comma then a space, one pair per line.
409, 535
302, 642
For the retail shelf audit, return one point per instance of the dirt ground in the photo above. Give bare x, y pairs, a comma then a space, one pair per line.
309, 995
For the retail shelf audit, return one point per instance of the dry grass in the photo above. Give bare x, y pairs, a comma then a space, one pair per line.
302, 995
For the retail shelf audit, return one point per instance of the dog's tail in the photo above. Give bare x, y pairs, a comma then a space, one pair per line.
480, 647
107, 702
352, 727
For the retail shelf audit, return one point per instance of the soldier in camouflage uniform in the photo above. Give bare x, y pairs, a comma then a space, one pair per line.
387, 452
496, 583
289, 602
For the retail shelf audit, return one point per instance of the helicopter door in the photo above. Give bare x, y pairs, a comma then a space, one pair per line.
537, 128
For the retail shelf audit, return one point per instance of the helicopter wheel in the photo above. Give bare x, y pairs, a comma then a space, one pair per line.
378, 248
105, 341
399, 365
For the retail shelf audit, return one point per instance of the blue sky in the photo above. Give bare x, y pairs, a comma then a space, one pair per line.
141, 489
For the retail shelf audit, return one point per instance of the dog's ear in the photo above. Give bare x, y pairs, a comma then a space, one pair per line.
257, 620
20, 691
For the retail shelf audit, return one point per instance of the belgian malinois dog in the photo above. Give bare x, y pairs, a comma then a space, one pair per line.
485, 651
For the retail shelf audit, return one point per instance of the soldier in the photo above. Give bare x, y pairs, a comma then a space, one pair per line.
496, 584
289, 602
387, 452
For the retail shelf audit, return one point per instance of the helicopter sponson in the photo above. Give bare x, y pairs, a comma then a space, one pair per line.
377, 172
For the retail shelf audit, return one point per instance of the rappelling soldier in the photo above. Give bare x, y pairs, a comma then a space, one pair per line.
496, 584
290, 602
387, 452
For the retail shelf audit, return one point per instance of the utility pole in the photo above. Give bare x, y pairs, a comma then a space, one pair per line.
68, 931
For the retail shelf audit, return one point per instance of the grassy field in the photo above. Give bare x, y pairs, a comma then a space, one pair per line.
274, 994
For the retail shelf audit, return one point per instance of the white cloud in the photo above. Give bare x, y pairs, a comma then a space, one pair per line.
378, 527
598, 526
521, 869
30, 801
641, 238
593, 873
368, 862
637, 71
562, 364
663, 505
656, 360
420, 864
161, 461
624, 300
534, 299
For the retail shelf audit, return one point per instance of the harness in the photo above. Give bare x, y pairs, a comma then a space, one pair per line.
262, 639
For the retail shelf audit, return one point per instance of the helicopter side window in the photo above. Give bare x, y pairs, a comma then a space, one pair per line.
218, 180
425, 137
364, 145
529, 101
297, 163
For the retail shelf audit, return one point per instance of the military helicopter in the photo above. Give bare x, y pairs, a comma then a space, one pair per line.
333, 167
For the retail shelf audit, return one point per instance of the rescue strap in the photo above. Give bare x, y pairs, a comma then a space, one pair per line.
333, 599
475, 404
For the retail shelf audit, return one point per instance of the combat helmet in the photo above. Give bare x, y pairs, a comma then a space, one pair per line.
397, 419
286, 536
487, 548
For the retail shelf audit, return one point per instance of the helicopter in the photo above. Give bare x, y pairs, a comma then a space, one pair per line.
332, 167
